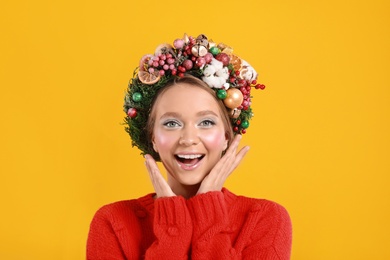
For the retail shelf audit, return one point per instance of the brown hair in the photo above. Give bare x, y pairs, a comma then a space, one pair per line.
191, 80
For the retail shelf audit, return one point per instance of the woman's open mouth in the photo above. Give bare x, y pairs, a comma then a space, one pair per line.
189, 161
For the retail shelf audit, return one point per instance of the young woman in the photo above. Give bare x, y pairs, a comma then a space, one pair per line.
192, 123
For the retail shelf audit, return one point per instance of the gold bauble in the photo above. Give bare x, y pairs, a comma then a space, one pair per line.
234, 98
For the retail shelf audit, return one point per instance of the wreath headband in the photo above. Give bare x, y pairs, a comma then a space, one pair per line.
231, 77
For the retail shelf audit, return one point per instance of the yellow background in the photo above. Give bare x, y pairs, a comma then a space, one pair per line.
319, 139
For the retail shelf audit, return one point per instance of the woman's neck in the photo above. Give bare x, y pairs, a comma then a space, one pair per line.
187, 191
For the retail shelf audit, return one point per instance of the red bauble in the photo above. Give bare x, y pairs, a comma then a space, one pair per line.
208, 57
224, 58
200, 62
132, 112
188, 64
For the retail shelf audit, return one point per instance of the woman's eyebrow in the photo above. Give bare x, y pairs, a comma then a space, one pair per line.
171, 114
207, 112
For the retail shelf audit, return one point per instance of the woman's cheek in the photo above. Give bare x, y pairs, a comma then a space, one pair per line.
163, 140
215, 138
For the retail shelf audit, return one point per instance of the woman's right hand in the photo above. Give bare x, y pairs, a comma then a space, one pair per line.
160, 185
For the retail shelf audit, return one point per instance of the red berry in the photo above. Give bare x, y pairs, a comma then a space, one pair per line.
254, 82
238, 122
235, 129
181, 74
243, 131
181, 69
173, 72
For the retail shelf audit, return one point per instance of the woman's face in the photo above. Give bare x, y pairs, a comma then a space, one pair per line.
188, 133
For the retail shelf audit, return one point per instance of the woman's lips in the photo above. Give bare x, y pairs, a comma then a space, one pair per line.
189, 162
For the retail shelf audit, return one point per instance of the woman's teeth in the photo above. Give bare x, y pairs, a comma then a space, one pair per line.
189, 156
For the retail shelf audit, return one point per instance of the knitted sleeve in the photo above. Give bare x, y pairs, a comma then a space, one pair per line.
265, 234
172, 228
103, 242
271, 236
210, 219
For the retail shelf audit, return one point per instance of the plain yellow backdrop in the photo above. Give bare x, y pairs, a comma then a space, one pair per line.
319, 139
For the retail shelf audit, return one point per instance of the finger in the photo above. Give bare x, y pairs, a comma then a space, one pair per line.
237, 160
160, 185
234, 145
151, 170
229, 158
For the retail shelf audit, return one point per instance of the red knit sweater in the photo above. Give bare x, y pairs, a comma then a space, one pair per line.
214, 225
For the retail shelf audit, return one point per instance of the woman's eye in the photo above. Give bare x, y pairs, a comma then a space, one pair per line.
207, 123
171, 124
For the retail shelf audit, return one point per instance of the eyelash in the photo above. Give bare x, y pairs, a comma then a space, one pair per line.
173, 123
210, 122
170, 124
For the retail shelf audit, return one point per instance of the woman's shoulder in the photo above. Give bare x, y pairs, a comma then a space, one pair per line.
117, 210
261, 206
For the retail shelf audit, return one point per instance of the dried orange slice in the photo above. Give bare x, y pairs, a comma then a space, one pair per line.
163, 48
148, 78
235, 61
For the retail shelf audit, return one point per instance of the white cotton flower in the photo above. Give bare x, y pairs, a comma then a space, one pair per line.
247, 72
217, 64
223, 73
215, 75
209, 71
212, 81
226, 86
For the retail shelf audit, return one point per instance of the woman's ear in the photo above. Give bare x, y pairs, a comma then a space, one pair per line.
226, 141
154, 145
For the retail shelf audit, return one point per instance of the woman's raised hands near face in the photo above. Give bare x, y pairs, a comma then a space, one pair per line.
215, 180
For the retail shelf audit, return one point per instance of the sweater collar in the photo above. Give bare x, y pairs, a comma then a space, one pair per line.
147, 201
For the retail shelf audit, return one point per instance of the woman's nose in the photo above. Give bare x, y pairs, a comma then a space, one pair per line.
189, 136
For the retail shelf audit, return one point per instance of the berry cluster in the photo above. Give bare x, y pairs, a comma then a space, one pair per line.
177, 60
231, 77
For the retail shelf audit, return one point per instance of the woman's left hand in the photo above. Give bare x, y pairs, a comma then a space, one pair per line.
225, 166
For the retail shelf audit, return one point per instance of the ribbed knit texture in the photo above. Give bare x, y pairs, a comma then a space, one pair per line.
214, 225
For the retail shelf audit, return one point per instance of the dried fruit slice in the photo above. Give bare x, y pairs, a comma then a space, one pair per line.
235, 61
163, 49
148, 78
